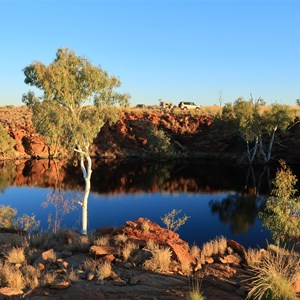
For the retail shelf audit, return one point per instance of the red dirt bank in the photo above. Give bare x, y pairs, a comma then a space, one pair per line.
191, 136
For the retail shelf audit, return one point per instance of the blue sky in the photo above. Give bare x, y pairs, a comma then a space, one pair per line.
173, 50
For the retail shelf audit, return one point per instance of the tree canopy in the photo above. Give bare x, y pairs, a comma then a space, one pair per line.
68, 84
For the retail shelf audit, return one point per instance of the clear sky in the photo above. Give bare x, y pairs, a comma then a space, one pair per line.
172, 49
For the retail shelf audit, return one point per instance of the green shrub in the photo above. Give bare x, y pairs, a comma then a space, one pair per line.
7, 214
159, 143
282, 212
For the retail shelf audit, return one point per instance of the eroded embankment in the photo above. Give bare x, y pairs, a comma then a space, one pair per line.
192, 136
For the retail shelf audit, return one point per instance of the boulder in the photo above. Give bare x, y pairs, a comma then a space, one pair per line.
102, 250
164, 237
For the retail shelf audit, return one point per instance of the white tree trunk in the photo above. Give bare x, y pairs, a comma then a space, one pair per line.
271, 144
254, 151
261, 149
87, 173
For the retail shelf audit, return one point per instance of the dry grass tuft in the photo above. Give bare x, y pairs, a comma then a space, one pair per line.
120, 238
274, 277
11, 277
72, 276
160, 261
104, 270
151, 245
16, 256
254, 257
195, 252
145, 226
81, 245
49, 278
215, 247
208, 249
222, 244
102, 240
186, 268
194, 293
89, 265
31, 276
128, 249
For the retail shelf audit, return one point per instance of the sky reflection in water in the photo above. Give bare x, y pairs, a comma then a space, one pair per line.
115, 209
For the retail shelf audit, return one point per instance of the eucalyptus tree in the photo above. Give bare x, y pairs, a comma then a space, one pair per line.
278, 118
248, 120
69, 83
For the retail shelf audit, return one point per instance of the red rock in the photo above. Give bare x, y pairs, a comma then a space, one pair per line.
60, 285
102, 250
161, 236
231, 259
236, 247
48, 255
8, 292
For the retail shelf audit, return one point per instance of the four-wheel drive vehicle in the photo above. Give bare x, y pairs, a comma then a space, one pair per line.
188, 105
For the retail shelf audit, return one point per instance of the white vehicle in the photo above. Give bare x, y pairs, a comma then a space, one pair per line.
188, 105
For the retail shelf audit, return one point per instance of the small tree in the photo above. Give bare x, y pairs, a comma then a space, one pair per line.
68, 83
282, 213
172, 221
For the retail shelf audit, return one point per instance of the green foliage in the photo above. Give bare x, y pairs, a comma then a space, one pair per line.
257, 129
194, 295
172, 221
282, 212
6, 142
195, 292
28, 223
7, 214
68, 83
298, 101
279, 117
159, 143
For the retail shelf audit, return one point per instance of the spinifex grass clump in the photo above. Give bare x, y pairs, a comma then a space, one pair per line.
128, 249
160, 261
214, 247
274, 277
194, 293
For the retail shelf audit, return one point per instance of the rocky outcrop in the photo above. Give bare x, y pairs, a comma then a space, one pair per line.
142, 230
66, 270
192, 136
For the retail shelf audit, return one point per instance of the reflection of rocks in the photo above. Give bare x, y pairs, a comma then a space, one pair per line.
127, 176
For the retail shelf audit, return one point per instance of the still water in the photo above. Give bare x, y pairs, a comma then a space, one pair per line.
220, 200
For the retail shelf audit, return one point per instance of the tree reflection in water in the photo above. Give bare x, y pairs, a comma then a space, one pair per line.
238, 210
241, 209
7, 175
